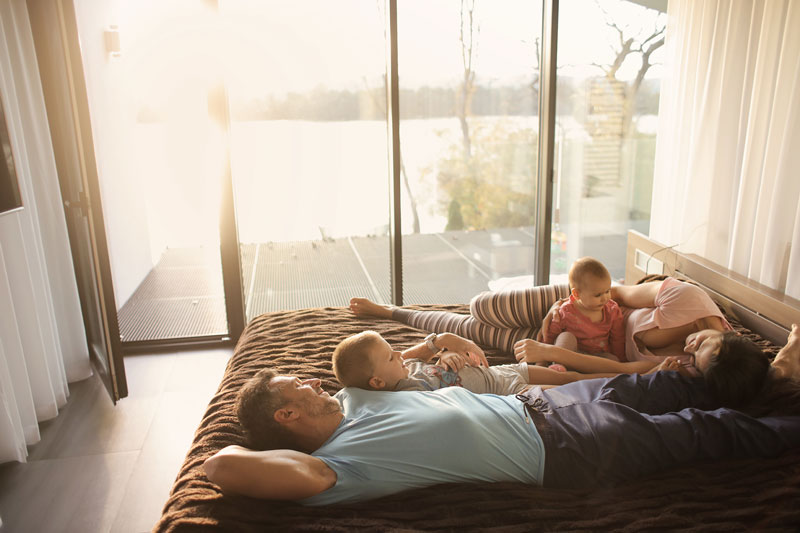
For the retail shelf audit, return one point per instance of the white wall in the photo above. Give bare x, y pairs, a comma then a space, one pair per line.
113, 121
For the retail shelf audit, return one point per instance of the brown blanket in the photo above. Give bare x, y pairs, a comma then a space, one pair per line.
730, 495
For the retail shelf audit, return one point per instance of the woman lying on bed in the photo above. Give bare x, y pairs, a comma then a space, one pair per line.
662, 319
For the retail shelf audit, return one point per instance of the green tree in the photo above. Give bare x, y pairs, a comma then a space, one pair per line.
495, 187
454, 219
488, 176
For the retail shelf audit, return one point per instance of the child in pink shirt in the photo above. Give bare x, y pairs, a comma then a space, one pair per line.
590, 322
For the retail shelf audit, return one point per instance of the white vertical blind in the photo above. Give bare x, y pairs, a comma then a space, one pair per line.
726, 184
42, 339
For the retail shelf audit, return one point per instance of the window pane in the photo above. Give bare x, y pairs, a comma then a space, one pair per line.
606, 108
469, 134
306, 88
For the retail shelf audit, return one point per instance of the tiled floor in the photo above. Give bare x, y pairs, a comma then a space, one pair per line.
101, 467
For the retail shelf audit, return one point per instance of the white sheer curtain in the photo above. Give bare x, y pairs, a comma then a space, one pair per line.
42, 339
727, 180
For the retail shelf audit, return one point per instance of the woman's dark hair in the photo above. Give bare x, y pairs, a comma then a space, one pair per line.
255, 407
737, 373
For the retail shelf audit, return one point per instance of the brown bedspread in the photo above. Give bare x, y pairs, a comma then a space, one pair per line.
731, 495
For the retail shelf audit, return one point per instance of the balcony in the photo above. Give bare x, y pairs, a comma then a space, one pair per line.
182, 295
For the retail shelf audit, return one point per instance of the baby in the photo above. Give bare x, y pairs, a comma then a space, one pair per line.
590, 322
367, 361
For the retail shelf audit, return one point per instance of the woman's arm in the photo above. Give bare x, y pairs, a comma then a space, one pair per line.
552, 317
636, 296
531, 351
269, 474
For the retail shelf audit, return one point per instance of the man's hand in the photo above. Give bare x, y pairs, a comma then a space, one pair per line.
531, 351
453, 361
551, 316
464, 347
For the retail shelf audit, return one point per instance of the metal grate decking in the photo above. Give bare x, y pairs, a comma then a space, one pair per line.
182, 296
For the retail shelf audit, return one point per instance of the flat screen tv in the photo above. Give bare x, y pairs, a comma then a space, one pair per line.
9, 186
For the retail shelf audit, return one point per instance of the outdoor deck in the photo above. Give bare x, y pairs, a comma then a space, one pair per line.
182, 296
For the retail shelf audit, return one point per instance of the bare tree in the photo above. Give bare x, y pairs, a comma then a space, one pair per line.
468, 36
535, 85
628, 46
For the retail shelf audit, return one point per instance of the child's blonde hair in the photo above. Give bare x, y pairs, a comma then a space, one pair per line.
351, 362
583, 267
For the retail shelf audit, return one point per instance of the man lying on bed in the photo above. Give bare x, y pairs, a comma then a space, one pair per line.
363, 444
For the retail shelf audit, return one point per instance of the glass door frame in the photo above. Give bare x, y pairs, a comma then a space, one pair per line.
547, 111
547, 127
55, 34
229, 241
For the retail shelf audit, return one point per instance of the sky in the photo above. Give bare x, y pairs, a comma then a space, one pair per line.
174, 52
274, 47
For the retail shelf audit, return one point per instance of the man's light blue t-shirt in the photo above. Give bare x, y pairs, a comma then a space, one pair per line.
393, 441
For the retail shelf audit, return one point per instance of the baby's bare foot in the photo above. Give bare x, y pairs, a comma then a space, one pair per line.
794, 337
365, 307
787, 362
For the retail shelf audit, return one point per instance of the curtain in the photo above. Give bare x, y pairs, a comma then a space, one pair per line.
726, 185
42, 338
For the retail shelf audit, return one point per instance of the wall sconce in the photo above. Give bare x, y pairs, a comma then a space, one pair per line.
111, 36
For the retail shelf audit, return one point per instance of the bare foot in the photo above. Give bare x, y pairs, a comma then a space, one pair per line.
365, 307
787, 362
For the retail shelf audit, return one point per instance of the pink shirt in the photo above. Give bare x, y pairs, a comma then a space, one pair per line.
676, 304
605, 336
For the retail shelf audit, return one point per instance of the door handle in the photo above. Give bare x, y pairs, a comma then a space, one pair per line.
82, 203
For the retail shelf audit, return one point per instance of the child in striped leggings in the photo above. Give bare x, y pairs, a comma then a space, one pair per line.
496, 319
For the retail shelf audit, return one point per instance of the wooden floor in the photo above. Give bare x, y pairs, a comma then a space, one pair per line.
101, 467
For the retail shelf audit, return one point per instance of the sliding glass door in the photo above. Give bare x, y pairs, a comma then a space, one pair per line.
160, 161
469, 92
308, 142
269, 119
609, 71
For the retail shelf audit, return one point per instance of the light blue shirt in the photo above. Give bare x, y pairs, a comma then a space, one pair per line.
393, 441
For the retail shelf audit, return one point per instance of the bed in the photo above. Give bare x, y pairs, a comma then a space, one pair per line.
729, 495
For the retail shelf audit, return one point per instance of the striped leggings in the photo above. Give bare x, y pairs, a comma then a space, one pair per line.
495, 319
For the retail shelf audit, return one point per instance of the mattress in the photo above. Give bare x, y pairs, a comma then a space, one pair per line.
730, 495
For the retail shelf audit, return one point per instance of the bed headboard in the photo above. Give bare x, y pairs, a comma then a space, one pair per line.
759, 308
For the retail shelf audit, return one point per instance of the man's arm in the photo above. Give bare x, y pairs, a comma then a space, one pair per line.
269, 474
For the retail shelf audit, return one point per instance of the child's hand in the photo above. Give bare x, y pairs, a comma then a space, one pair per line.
466, 348
551, 316
672, 364
452, 360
